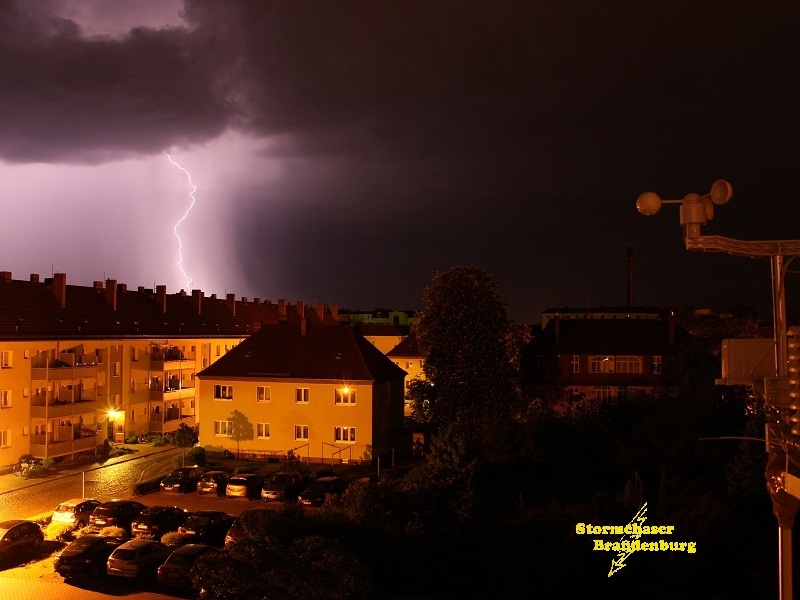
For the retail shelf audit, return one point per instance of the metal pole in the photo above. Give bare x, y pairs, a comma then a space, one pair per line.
83, 484
785, 589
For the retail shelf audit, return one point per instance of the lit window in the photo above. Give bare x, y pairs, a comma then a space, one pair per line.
301, 395
602, 391
5, 359
601, 364
223, 428
345, 395
5, 438
575, 364
344, 434
301, 432
223, 392
5, 398
262, 430
628, 364
262, 393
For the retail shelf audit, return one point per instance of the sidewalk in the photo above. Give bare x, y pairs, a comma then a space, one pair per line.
10, 482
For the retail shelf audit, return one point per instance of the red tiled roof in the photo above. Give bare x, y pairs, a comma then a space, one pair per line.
407, 347
322, 352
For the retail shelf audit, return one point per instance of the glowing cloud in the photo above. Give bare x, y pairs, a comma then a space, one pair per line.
181, 220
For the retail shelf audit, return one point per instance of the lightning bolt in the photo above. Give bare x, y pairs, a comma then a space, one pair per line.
181, 220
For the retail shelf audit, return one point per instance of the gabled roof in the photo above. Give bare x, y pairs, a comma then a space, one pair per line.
407, 347
609, 336
380, 329
323, 352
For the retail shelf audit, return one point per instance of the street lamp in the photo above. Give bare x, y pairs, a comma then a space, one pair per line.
113, 415
695, 211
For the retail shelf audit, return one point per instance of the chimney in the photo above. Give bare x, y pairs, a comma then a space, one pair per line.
335, 311
230, 302
197, 300
301, 308
161, 297
303, 326
281, 307
140, 289
60, 288
630, 277
320, 311
34, 278
97, 285
111, 293
256, 301
5, 275
122, 287
558, 327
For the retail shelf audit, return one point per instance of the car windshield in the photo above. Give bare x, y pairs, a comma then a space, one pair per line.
103, 512
179, 473
281, 479
196, 522
181, 559
65, 508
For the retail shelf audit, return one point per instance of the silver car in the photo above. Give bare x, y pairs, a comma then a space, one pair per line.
137, 558
75, 512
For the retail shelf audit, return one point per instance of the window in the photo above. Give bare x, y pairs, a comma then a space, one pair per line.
344, 396
133, 384
5, 399
262, 430
115, 369
5, 438
409, 364
622, 392
602, 391
301, 395
217, 353
5, 359
629, 364
262, 393
575, 363
133, 413
344, 434
223, 392
134, 354
656, 365
301, 432
574, 393
223, 428
601, 364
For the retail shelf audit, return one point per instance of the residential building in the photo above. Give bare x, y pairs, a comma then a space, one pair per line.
600, 358
321, 392
80, 365
383, 336
408, 357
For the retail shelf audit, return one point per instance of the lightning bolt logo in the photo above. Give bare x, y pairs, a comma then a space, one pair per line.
626, 541
181, 220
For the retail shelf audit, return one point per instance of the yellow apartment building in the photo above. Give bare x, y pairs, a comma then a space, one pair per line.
322, 392
79, 364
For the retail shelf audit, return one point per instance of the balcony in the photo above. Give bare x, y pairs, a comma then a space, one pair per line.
59, 370
56, 409
42, 447
157, 393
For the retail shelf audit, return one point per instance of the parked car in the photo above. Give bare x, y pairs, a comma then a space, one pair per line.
176, 570
207, 527
238, 528
75, 512
86, 556
155, 521
247, 485
19, 537
283, 485
213, 482
182, 480
316, 493
115, 513
137, 558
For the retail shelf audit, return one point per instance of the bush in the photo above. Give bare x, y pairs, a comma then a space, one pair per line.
132, 440
114, 531
60, 532
197, 456
175, 538
161, 440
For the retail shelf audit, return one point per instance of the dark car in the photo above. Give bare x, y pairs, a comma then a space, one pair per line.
177, 569
207, 527
213, 482
115, 513
155, 521
319, 490
243, 522
86, 556
247, 485
284, 486
19, 537
182, 480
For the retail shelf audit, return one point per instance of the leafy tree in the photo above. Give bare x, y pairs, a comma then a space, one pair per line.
185, 437
464, 334
242, 429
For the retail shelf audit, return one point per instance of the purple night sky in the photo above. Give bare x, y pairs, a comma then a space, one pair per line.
344, 151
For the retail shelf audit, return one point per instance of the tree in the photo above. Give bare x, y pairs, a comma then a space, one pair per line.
464, 334
185, 437
241, 429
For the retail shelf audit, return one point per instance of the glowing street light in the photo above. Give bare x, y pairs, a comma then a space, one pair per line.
695, 211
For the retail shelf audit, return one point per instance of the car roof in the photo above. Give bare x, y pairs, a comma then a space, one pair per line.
137, 543
327, 479
157, 508
76, 501
11, 523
